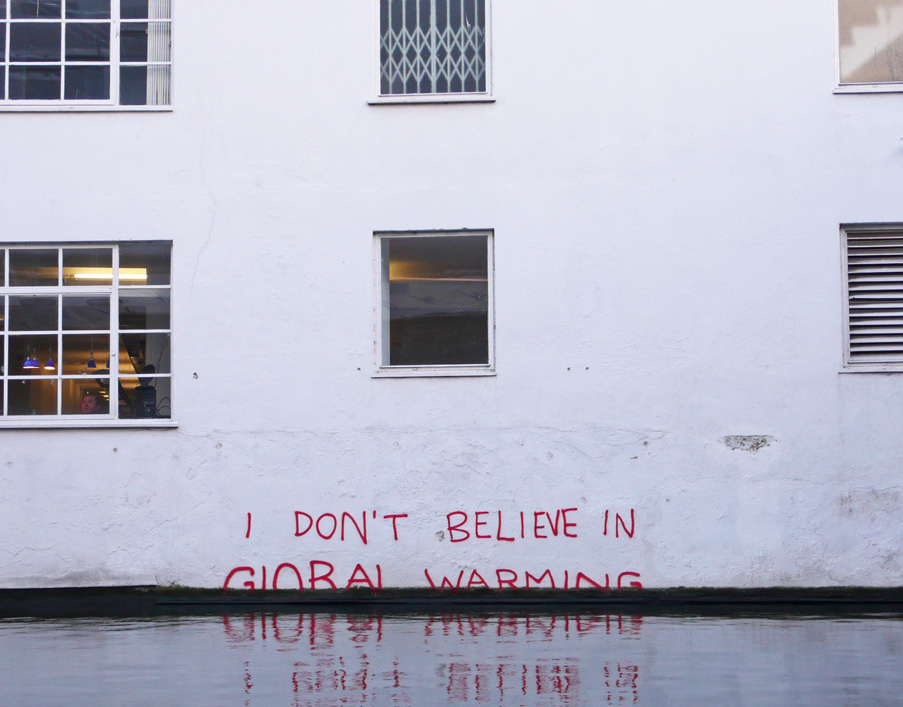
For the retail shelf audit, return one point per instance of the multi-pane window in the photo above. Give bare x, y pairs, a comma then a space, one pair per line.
89, 52
435, 303
871, 41
432, 47
873, 264
85, 331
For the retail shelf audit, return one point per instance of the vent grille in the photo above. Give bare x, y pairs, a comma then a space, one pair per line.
875, 296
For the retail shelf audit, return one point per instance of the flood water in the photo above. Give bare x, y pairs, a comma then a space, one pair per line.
271, 659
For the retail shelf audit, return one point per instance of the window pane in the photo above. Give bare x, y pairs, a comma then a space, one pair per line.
87, 266
28, 355
86, 396
871, 41
144, 354
2, 83
144, 309
2, 277
88, 41
43, 9
29, 313
34, 267
35, 83
145, 9
86, 313
432, 46
144, 85
87, 9
144, 397
133, 41
34, 41
32, 397
81, 350
85, 83
2, 41
144, 263
143, 41
438, 292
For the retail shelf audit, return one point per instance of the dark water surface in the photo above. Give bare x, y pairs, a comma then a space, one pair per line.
453, 659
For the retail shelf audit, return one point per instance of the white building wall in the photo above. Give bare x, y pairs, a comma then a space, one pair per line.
665, 184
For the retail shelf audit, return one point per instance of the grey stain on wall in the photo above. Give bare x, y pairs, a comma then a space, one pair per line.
747, 443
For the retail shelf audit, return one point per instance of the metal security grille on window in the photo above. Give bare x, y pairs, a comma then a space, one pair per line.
85, 333
85, 52
432, 46
875, 289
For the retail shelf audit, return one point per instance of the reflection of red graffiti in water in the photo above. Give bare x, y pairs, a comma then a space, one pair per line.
318, 630
353, 676
547, 627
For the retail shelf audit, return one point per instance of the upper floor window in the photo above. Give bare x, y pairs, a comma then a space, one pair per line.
870, 35
85, 53
85, 333
873, 280
433, 48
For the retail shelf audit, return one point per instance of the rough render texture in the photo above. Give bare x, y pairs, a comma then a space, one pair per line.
668, 308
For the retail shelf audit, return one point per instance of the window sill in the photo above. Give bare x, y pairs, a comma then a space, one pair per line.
872, 368
432, 98
76, 424
433, 371
870, 88
80, 108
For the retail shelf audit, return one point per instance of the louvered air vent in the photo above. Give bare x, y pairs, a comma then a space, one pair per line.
875, 290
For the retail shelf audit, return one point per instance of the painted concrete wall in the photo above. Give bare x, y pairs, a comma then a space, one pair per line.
665, 187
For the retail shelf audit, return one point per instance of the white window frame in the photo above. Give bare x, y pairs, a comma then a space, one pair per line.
839, 87
110, 420
379, 98
93, 106
850, 363
383, 370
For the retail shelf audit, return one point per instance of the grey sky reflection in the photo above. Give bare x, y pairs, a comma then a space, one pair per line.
456, 659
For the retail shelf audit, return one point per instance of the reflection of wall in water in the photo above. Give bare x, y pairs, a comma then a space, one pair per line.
408, 661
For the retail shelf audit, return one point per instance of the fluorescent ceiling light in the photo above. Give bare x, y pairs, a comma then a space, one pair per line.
125, 274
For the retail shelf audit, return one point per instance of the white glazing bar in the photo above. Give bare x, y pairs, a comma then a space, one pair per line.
113, 365
59, 350
6, 344
59, 325
6, 32
62, 60
114, 51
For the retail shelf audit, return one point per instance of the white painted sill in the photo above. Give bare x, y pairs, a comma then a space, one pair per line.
869, 88
432, 98
87, 424
432, 371
872, 368
58, 108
